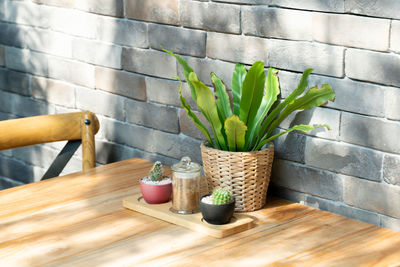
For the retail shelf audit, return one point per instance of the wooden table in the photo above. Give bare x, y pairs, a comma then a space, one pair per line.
78, 220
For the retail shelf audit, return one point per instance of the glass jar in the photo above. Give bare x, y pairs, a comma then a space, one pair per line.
185, 187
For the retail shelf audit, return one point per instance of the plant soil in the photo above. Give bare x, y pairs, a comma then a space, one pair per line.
165, 180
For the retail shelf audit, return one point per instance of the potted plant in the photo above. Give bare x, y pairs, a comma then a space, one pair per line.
240, 155
156, 188
218, 207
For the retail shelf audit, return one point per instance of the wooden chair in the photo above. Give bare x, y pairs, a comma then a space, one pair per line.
77, 128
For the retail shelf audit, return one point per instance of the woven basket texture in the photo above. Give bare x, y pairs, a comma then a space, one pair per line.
245, 174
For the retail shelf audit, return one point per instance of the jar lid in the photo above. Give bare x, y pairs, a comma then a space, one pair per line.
186, 165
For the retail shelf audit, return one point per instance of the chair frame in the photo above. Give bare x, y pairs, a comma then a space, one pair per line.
74, 127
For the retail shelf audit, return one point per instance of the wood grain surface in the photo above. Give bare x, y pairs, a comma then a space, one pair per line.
78, 220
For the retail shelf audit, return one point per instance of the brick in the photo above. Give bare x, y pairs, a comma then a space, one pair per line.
167, 92
163, 91
148, 62
8, 183
382, 8
53, 91
357, 97
153, 10
277, 23
62, 109
354, 96
177, 146
307, 180
153, 157
107, 152
26, 106
210, 16
298, 56
390, 223
344, 158
26, 61
2, 56
104, 55
6, 102
370, 132
187, 94
35, 39
15, 82
203, 68
395, 36
153, 141
372, 196
189, 128
324, 204
17, 170
373, 66
6, 116
368, 33
100, 102
180, 40
154, 116
22, 106
342, 209
72, 71
330, 6
391, 169
391, 107
73, 165
110, 152
37, 155
126, 134
288, 81
243, 49
11, 34
285, 193
313, 117
122, 83
6, 153
73, 22
103, 7
251, 2
122, 32
50, 42
2, 9
23, 12
59, 3
290, 146
61, 144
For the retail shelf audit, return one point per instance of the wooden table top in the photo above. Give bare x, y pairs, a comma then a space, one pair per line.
78, 220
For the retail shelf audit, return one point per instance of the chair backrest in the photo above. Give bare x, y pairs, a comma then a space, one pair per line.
77, 127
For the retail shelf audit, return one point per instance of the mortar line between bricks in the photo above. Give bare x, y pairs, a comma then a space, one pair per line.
240, 21
390, 35
333, 12
350, 144
340, 127
124, 8
344, 63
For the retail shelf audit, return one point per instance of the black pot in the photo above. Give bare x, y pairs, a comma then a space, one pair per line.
217, 214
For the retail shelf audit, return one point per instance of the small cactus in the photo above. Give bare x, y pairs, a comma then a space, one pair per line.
221, 196
156, 173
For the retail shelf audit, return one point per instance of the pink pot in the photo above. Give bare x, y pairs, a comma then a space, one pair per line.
156, 194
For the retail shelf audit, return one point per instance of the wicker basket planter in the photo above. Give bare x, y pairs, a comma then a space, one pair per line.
245, 174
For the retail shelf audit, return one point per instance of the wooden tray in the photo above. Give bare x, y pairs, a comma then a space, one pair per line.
194, 222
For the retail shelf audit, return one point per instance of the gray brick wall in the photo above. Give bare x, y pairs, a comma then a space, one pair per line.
105, 56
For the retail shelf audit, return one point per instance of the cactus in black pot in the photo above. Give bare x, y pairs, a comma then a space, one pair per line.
217, 208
